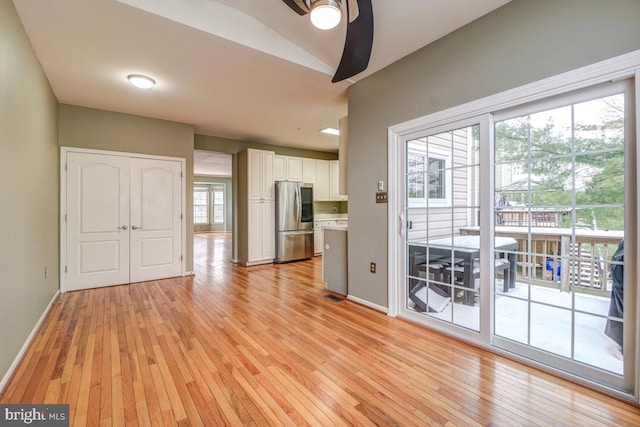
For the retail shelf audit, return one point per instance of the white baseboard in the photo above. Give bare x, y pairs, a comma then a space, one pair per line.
368, 304
189, 273
27, 343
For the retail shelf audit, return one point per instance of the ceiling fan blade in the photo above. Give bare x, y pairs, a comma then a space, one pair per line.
298, 6
358, 43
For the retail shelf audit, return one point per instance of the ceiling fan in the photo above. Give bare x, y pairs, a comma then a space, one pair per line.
359, 40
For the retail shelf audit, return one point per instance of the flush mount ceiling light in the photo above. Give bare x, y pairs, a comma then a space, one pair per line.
330, 131
325, 14
140, 81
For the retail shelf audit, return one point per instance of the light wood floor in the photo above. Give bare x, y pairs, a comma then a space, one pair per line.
263, 346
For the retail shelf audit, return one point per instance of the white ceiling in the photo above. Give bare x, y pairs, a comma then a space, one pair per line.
243, 69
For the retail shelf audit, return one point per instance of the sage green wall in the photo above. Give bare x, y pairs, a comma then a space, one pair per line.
28, 188
519, 43
232, 146
105, 130
228, 196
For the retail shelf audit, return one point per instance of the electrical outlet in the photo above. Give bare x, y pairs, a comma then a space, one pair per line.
372, 268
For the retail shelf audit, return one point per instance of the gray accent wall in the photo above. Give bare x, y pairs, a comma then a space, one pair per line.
519, 43
104, 130
28, 187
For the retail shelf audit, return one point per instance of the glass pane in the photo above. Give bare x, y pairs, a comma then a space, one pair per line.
593, 346
600, 123
436, 175
551, 329
468, 316
218, 215
511, 320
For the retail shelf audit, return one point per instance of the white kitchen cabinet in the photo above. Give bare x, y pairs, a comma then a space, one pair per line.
260, 174
309, 171
318, 237
279, 168
287, 168
321, 189
256, 235
261, 245
317, 242
294, 169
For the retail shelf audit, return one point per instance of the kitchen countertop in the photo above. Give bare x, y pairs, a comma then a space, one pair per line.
331, 217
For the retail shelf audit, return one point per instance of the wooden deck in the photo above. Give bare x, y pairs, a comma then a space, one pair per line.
263, 346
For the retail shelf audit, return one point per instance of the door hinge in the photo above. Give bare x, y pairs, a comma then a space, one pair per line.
180, 257
65, 217
180, 174
65, 166
65, 268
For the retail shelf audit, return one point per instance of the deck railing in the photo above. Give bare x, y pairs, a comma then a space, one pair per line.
581, 257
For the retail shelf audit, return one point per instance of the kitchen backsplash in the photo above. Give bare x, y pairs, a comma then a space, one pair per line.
331, 207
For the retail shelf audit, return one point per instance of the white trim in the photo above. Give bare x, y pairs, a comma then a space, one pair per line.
189, 273
367, 303
63, 201
27, 343
394, 215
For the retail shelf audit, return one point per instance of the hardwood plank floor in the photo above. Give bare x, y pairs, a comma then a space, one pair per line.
263, 346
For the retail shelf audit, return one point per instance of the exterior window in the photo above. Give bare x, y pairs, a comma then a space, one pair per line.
218, 205
427, 177
436, 174
201, 206
415, 183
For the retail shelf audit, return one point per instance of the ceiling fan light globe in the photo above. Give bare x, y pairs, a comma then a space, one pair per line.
325, 14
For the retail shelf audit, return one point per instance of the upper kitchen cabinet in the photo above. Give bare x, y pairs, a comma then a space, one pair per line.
309, 171
334, 181
260, 174
321, 189
286, 168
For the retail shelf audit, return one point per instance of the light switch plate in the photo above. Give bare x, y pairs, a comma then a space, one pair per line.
381, 197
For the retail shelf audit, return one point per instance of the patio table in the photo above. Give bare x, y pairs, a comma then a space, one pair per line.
467, 248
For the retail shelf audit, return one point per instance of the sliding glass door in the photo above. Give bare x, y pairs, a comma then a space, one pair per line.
560, 182
512, 225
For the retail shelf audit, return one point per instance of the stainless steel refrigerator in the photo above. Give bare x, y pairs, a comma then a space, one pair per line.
294, 221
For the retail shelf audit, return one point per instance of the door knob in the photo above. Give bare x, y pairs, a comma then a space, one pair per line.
124, 227
133, 227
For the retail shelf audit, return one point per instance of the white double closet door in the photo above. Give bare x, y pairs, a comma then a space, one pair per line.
123, 219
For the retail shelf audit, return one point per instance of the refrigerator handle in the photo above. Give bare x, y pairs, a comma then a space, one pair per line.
298, 205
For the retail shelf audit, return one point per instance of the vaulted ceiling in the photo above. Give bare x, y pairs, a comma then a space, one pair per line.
241, 69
